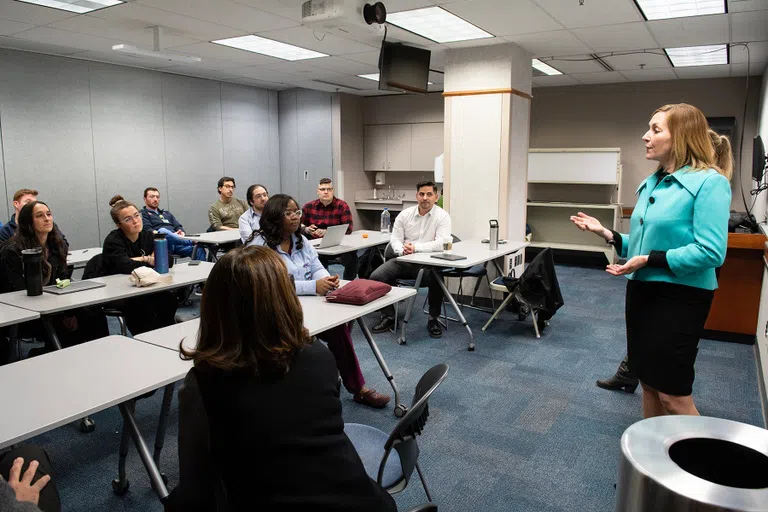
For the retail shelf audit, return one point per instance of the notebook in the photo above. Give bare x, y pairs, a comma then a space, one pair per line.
449, 257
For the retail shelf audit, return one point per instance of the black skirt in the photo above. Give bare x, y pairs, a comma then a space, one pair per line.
664, 324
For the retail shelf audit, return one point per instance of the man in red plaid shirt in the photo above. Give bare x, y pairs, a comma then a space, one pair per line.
327, 211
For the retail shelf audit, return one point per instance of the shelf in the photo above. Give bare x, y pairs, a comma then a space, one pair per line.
572, 247
559, 204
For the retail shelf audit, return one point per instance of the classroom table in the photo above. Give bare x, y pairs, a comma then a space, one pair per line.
214, 238
12, 316
117, 287
476, 253
79, 257
353, 242
53, 389
319, 316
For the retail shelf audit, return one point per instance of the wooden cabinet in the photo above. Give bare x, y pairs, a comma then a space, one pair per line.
402, 147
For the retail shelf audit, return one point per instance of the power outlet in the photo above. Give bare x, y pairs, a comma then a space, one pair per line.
306, 175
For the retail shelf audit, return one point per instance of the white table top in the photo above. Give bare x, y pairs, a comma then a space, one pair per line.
475, 251
353, 242
118, 287
319, 316
215, 237
10, 315
79, 257
54, 389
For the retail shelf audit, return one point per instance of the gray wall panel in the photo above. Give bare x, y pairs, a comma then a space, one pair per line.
5, 208
127, 135
274, 142
47, 138
315, 147
289, 139
193, 147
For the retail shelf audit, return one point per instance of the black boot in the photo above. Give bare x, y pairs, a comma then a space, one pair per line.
624, 379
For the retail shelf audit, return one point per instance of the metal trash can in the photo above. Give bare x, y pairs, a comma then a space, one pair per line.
692, 464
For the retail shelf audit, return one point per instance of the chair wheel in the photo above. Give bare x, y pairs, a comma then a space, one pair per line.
471, 348
400, 410
87, 425
522, 316
401, 341
120, 488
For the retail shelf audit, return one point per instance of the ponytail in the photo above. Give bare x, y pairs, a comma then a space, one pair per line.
723, 153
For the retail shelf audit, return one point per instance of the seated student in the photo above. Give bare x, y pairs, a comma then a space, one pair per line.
129, 247
280, 224
162, 221
257, 196
20, 198
273, 438
326, 211
421, 228
36, 229
27, 486
226, 211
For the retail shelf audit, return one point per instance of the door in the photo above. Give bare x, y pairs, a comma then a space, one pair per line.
398, 147
375, 147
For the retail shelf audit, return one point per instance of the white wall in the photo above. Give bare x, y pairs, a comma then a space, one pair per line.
761, 203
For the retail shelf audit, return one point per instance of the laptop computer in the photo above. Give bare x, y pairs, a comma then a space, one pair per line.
76, 286
333, 236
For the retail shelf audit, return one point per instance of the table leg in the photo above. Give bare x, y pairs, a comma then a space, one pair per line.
456, 308
165, 410
400, 409
51, 333
129, 422
401, 340
121, 484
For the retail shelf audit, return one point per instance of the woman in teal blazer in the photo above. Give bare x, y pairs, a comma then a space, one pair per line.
678, 237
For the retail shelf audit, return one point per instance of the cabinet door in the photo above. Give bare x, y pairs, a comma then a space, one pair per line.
762, 316
375, 148
398, 147
426, 145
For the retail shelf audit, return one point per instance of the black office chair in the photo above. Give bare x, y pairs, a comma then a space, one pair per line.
393, 471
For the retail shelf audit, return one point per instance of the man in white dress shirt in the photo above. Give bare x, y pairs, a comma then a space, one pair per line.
421, 228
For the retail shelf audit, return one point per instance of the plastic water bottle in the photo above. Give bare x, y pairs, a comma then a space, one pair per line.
161, 254
385, 221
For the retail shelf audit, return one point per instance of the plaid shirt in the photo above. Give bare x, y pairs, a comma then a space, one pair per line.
336, 213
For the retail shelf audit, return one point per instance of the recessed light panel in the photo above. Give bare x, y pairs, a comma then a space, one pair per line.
437, 24
270, 47
78, 6
545, 68
698, 55
665, 9
375, 77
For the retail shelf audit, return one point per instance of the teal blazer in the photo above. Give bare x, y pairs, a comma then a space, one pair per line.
686, 215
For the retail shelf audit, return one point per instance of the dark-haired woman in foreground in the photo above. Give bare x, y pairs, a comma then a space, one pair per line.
271, 397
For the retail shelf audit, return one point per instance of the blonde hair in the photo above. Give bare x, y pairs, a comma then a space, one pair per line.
692, 143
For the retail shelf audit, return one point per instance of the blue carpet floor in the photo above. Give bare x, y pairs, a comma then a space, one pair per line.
518, 425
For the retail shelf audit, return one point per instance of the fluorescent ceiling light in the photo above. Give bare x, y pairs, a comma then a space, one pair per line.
698, 55
269, 47
545, 68
437, 24
665, 9
171, 57
375, 77
78, 6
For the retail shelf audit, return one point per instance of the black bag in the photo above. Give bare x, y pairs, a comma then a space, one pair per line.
369, 261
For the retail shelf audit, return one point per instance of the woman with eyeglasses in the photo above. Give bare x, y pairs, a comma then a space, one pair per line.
126, 248
280, 230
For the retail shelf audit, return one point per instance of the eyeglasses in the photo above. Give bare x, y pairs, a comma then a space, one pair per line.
292, 213
260, 196
131, 218
325, 189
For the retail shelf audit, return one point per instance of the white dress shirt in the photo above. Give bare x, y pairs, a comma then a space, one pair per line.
426, 232
248, 222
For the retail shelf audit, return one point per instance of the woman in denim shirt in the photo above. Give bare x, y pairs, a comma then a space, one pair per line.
678, 237
280, 230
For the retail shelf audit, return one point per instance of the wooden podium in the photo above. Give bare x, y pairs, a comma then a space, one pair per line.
737, 298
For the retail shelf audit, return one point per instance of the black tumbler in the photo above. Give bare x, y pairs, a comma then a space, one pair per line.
33, 270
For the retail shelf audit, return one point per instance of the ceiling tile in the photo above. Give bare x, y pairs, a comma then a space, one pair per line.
593, 13
127, 31
554, 81
122, 59
317, 40
741, 69
501, 18
575, 64
749, 26
647, 75
693, 31
179, 24
68, 39
344, 66
28, 13
606, 77
8, 27
355, 82
436, 78
758, 53
35, 46
639, 61
689, 72
746, 5
302, 69
224, 12
609, 38
225, 54
369, 58
327, 87
547, 44
261, 73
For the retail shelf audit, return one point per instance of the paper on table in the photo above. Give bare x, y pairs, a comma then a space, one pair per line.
145, 276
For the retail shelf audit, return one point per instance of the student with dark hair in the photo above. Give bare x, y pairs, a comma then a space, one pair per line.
420, 228
280, 230
129, 247
272, 436
257, 197
20, 198
226, 211
162, 221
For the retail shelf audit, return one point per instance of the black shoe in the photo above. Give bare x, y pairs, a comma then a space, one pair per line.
434, 329
624, 379
384, 325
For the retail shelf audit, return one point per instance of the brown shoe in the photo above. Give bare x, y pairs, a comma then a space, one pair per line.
371, 398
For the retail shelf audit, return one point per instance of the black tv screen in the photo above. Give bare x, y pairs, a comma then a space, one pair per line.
758, 159
403, 68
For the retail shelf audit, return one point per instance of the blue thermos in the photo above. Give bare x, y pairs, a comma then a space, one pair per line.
161, 254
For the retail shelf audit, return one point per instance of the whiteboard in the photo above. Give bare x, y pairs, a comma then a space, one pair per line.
577, 165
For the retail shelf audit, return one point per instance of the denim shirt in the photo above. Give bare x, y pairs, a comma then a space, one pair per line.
303, 265
685, 214
248, 222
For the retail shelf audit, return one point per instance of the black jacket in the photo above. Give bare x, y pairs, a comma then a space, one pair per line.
271, 444
12, 268
538, 286
118, 251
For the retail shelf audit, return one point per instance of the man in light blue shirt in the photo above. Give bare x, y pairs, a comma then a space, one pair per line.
256, 196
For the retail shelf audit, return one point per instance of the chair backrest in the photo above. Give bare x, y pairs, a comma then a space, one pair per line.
93, 268
403, 436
